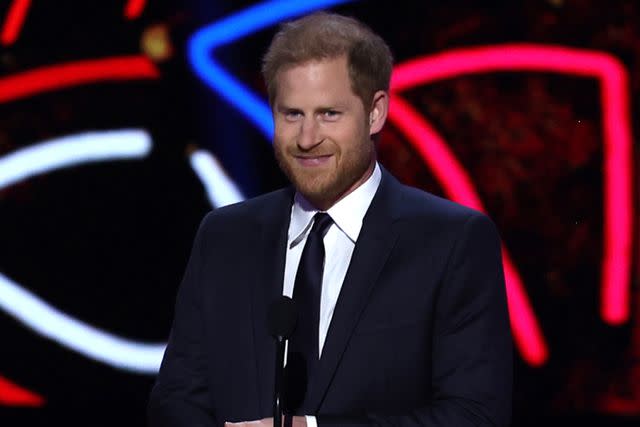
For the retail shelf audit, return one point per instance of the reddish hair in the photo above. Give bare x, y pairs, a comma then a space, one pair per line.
323, 35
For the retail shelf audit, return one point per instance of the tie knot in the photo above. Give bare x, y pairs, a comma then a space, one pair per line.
321, 222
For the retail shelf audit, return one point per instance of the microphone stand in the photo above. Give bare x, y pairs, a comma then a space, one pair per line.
277, 393
281, 322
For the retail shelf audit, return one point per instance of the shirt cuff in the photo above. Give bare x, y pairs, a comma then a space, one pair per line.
311, 421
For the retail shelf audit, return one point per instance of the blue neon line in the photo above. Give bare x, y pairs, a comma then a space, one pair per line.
203, 42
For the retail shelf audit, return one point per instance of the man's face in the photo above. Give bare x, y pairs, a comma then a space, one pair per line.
322, 131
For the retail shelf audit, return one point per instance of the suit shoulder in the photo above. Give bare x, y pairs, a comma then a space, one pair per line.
426, 207
428, 218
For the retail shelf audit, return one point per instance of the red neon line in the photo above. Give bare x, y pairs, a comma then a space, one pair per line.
618, 221
433, 150
57, 77
15, 19
618, 168
60, 76
526, 331
134, 9
14, 395
506, 57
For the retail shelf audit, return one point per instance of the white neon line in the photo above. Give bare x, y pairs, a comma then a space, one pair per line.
47, 320
73, 150
76, 335
34, 312
221, 190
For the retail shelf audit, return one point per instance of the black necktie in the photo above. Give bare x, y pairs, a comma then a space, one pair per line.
303, 355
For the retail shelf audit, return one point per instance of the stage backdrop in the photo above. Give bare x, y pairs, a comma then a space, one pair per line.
122, 123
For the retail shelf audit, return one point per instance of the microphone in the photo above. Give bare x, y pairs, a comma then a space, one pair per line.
282, 318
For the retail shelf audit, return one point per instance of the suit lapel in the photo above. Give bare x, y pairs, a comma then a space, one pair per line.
375, 242
267, 286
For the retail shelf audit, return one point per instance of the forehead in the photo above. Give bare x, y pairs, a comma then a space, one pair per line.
320, 80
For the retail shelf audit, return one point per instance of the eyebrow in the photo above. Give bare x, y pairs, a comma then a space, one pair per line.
285, 108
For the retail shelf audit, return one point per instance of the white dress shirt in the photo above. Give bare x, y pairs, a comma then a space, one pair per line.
339, 241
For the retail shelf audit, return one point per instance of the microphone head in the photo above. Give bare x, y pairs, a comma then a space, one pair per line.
282, 317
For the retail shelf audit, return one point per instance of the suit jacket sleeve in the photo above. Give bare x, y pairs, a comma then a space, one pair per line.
471, 341
180, 396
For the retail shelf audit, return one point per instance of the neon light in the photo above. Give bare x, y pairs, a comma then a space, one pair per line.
47, 320
618, 157
15, 19
207, 39
434, 152
72, 150
78, 336
14, 395
221, 190
41, 316
134, 8
55, 77
46, 79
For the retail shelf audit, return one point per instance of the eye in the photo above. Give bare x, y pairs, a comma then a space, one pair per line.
331, 115
292, 115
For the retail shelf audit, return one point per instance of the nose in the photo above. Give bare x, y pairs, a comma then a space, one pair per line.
309, 134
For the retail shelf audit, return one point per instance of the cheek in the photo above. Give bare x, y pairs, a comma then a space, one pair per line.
284, 134
279, 140
352, 139
280, 152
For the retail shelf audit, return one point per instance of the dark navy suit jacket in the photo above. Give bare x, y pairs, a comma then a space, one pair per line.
419, 336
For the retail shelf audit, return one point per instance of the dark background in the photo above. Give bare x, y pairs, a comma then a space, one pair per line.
108, 242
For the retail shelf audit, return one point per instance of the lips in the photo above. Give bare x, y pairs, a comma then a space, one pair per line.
313, 161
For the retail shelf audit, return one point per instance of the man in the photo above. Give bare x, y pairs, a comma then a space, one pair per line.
403, 316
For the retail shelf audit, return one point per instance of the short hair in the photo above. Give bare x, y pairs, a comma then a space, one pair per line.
323, 35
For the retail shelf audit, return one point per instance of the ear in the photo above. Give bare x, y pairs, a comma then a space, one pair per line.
378, 113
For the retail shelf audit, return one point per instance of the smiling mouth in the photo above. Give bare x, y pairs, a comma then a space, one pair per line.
312, 161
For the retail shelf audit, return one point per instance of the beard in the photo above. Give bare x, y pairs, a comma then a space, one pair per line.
325, 185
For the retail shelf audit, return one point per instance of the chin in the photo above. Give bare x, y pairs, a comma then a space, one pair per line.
313, 182
317, 193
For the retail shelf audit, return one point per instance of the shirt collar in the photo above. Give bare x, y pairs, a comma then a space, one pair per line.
347, 214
